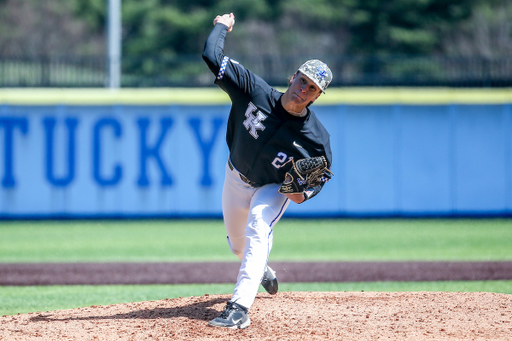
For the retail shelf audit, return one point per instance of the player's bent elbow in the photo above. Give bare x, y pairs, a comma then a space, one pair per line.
212, 62
208, 58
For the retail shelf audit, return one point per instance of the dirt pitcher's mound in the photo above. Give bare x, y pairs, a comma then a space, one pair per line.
286, 316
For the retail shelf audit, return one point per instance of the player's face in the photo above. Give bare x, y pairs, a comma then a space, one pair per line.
303, 90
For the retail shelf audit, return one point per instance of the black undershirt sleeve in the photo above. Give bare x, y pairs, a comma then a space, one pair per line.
213, 52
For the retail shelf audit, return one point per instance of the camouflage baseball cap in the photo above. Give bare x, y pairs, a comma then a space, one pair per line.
318, 72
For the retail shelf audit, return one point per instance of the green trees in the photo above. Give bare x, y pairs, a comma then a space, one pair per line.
170, 27
159, 35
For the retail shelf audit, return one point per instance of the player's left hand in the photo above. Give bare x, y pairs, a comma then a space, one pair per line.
305, 173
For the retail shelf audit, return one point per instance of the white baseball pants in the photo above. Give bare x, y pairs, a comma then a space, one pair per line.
249, 216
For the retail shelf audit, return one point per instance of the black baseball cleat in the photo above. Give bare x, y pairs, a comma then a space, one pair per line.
234, 316
269, 281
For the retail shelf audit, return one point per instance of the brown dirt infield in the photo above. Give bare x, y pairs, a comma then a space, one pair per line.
285, 316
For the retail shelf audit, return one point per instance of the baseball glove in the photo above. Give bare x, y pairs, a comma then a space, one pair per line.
305, 173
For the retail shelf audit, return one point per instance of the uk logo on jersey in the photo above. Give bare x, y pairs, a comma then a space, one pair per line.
253, 121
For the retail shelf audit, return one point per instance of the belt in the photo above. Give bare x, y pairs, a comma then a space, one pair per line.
242, 177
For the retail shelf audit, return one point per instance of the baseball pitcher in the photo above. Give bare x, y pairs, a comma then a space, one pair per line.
279, 152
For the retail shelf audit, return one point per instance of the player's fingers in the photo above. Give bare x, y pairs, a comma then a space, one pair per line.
225, 19
232, 17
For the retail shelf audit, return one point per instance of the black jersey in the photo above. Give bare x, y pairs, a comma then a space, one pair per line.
261, 134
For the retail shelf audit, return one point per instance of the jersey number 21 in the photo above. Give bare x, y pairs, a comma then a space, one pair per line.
279, 160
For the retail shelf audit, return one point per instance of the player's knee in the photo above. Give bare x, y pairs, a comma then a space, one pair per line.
236, 249
239, 253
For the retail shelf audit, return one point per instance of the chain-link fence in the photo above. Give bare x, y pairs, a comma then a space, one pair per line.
191, 71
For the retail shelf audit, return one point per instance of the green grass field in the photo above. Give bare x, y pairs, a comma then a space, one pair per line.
294, 240
204, 240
